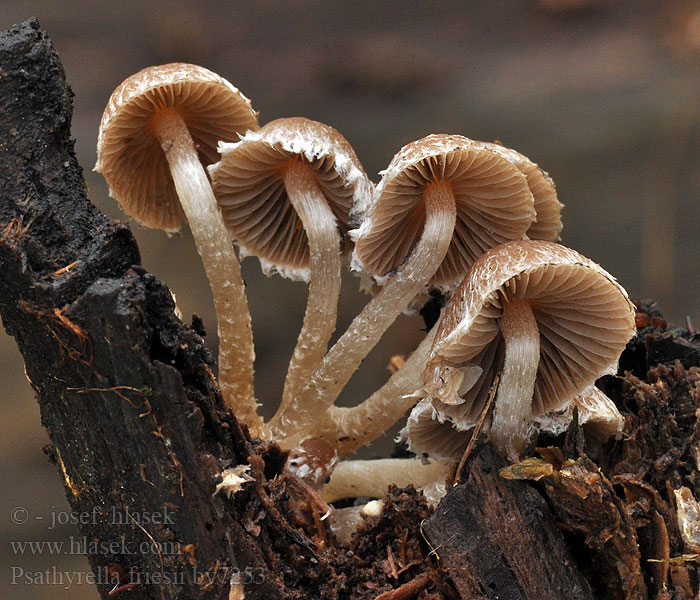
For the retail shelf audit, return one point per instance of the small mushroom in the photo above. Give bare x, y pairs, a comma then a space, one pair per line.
563, 322
443, 431
442, 202
159, 126
431, 433
312, 461
288, 192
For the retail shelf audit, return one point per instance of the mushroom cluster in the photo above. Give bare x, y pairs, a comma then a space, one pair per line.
473, 220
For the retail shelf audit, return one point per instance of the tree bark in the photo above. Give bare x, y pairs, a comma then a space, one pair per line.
498, 539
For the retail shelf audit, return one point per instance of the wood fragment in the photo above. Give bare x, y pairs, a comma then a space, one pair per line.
497, 539
477, 430
407, 590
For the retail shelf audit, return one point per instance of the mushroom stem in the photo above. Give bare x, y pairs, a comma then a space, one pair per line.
377, 316
324, 285
359, 425
236, 353
358, 478
513, 404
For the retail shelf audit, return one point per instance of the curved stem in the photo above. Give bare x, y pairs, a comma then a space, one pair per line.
324, 285
513, 404
236, 353
359, 425
357, 478
367, 328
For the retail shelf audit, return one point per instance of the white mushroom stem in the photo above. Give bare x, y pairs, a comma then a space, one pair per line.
359, 425
324, 285
358, 478
513, 404
377, 316
236, 353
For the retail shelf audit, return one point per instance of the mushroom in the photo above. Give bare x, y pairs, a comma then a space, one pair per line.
443, 201
547, 225
159, 126
288, 192
312, 461
443, 432
563, 322
427, 432
361, 424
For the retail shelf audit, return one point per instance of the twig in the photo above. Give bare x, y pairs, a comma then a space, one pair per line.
407, 590
392, 563
477, 429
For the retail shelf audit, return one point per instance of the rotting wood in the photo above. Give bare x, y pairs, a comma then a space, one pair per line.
498, 540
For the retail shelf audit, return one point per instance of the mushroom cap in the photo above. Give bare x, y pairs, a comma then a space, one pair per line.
547, 224
494, 205
597, 413
249, 187
130, 157
584, 316
312, 460
428, 432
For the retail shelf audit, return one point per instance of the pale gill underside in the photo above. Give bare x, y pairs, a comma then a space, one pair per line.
257, 210
133, 162
493, 206
584, 324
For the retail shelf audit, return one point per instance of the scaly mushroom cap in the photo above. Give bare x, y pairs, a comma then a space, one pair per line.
130, 157
547, 224
584, 317
249, 188
494, 205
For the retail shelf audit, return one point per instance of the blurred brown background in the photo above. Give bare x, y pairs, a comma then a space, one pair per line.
603, 94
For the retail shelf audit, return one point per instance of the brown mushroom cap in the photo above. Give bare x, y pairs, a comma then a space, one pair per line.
250, 190
428, 432
130, 157
493, 201
584, 317
597, 414
547, 224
